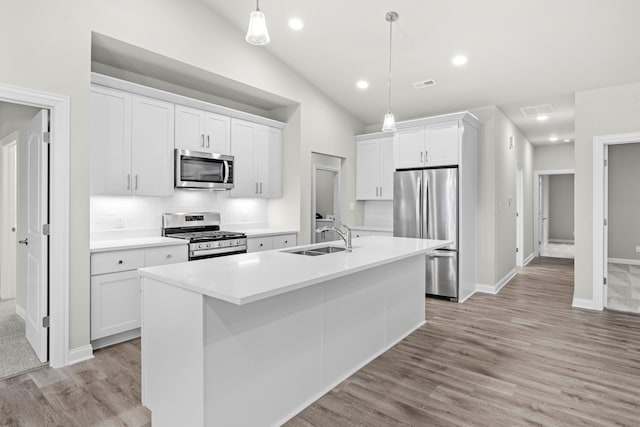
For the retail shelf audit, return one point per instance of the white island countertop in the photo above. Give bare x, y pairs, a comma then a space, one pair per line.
245, 278
134, 243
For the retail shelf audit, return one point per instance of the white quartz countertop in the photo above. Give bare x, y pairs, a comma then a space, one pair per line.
245, 278
264, 232
133, 243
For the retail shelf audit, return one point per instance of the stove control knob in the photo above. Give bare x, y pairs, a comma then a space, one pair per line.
220, 244
208, 245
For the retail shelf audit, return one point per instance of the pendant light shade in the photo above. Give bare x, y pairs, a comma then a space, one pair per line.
389, 124
257, 33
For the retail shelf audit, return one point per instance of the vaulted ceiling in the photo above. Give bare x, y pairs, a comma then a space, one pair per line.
520, 52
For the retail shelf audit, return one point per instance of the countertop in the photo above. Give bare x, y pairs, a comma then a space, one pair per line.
245, 278
133, 243
264, 232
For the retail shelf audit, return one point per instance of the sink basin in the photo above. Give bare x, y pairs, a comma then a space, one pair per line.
323, 250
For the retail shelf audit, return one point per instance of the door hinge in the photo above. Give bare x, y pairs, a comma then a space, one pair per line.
45, 322
46, 137
517, 250
606, 221
605, 162
46, 229
604, 280
517, 214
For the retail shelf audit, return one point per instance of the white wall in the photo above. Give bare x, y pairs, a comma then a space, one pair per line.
16, 118
561, 212
53, 53
496, 222
554, 157
624, 201
602, 111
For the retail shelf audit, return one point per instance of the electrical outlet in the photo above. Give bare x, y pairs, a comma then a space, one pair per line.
352, 206
119, 221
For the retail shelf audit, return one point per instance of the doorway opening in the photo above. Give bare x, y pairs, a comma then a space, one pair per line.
24, 254
519, 215
554, 213
325, 196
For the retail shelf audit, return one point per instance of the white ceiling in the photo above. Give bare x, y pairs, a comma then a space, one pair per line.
520, 52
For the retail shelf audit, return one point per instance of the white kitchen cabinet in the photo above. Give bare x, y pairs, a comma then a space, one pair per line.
257, 151
115, 289
200, 130
132, 139
374, 168
265, 243
427, 146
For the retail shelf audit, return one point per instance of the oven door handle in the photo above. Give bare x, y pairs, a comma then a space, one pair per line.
226, 171
217, 251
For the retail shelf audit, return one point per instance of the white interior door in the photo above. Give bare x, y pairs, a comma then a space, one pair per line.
37, 241
540, 215
9, 224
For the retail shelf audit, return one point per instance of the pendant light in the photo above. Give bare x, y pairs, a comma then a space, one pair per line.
257, 33
389, 124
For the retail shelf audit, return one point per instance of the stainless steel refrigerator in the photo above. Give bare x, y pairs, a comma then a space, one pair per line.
425, 205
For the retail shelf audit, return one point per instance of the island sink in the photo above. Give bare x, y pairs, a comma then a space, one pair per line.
317, 251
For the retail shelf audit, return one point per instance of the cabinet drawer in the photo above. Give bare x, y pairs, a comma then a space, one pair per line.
259, 244
284, 241
165, 255
111, 262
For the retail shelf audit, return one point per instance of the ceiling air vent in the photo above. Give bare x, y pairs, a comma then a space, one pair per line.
537, 110
424, 83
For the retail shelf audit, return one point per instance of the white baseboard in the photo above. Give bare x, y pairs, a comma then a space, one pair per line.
20, 312
494, 289
467, 297
116, 339
624, 261
528, 259
79, 354
584, 303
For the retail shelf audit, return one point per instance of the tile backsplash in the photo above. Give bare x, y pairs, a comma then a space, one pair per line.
127, 213
378, 213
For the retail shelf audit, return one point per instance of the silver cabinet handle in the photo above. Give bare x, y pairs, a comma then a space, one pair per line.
128, 181
24, 242
256, 188
426, 156
136, 182
208, 141
376, 191
380, 191
168, 255
260, 188
202, 140
421, 161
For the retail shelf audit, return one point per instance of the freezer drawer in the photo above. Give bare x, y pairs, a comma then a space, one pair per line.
442, 274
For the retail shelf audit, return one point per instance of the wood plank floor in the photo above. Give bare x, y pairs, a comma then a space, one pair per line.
518, 358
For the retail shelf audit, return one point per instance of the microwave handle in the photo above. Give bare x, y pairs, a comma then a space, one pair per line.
226, 171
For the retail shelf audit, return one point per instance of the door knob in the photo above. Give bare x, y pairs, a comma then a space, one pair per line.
13, 229
24, 242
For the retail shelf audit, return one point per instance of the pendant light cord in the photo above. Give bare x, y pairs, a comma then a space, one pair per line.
390, 44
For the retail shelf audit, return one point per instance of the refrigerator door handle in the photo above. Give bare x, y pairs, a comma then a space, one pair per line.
420, 211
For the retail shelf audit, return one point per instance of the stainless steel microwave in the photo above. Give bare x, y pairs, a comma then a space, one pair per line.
199, 170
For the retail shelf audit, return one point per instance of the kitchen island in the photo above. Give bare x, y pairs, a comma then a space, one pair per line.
252, 339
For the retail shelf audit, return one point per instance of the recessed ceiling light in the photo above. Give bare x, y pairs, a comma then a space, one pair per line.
296, 24
567, 140
362, 84
459, 60
553, 139
542, 117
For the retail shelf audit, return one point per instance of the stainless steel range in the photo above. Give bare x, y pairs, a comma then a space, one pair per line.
202, 230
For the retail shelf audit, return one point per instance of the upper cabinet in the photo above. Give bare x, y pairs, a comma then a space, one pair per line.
427, 146
257, 151
374, 168
199, 130
132, 140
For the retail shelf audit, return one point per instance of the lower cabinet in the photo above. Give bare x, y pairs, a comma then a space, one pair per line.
280, 241
115, 290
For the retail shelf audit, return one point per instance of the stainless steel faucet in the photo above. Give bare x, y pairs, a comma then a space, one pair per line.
345, 235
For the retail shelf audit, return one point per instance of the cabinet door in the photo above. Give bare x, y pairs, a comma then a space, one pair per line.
189, 128
152, 147
443, 145
284, 241
368, 169
217, 131
269, 162
115, 303
243, 143
409, 152
386, 169
110, 142
259, 244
